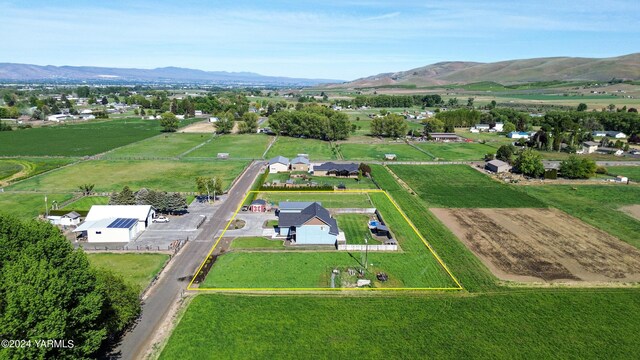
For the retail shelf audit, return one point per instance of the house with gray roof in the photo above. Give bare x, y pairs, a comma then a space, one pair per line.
312, 225
334, 169
300, 163
278, 164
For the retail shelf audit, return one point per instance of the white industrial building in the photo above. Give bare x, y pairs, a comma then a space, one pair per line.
116, 223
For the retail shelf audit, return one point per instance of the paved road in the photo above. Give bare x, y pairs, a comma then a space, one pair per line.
169, 288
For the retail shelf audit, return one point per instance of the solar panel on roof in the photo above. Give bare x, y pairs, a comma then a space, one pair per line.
122, 223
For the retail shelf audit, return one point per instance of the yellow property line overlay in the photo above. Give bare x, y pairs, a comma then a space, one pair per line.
365, 191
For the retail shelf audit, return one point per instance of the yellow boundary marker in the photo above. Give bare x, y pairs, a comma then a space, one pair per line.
363, 191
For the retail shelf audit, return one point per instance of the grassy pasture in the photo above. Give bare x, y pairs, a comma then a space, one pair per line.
9, 167
136, 269
328, 199
76, 139
461, 186
457, 151
541, 325
363, 183
85, 203
414, 267
632, 172
28, 205
290, 147
244, 146
404, 152
596, 205
112, 175
165, 145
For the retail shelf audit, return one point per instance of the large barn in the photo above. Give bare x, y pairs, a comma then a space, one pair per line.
116, 223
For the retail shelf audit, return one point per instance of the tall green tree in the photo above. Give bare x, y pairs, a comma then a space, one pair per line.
505, 153
169, 122
529, 163
575, 167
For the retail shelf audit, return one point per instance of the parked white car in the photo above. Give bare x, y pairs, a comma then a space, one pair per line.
161, 219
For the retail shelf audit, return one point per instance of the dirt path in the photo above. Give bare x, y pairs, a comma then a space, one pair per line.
548, 245
633, 210
19, 174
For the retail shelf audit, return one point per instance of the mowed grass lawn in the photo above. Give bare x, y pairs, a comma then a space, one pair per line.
165, 145
112, 175
460, 186
403, 152
457, 151
290, 147
245, 146
327, 199
136, 269
539, 324
414, 267
28, 205
355, 227
85, 202
253, 243
597, 205
83, 139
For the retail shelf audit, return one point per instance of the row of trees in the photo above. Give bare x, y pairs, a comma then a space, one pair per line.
209, 186
529, 162
316, 122
392, 101
48, 290
162, 201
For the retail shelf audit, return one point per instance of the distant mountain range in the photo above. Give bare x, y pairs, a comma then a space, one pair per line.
26, 72
508, 72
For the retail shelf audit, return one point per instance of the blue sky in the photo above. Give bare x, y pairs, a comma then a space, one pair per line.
314, 39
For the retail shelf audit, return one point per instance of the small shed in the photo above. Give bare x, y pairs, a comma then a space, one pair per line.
390, 157
223, 155
258, 205
621, 179
497, 166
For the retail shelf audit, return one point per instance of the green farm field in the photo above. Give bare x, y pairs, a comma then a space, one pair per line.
85, 202
414, 267
538, 324
245, 146
597, 205
20, 168
28, 205
76, 139
165, 145
136, 269
112, 175
460, 186
457, 151
404, 152
328, 199
290, 147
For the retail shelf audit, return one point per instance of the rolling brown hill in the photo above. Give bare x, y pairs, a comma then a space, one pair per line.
509, 72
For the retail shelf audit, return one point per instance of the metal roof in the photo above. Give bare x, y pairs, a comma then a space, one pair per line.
300, 160
279, 160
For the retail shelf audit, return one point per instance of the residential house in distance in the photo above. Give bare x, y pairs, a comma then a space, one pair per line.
332, 169
116, 223
278, 164
611, 134
483, 127
589, 147
518, 135
300, 163
499, 127
497, 166
313, 225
